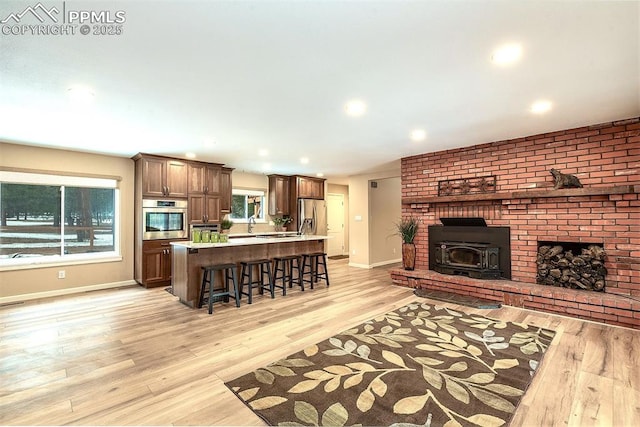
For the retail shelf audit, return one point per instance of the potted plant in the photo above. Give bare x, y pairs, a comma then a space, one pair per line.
225, 224
280, 222
407, 228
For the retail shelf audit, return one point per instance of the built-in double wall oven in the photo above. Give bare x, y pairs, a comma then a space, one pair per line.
164, 219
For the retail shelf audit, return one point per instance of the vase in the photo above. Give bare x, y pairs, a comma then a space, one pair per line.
408, 256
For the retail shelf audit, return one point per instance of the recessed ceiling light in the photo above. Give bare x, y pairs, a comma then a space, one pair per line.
81, 94
418, 135
304, 160
319, 174
263, 152
540, 107
507, 54
355, 108
190, 155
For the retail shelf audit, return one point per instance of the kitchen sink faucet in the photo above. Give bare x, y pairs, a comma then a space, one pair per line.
250, 224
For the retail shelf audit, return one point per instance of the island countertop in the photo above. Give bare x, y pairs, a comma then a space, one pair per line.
255, 240
188, 258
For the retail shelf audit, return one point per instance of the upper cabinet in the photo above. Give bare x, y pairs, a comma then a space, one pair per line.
225, 190
204, 178
309, 188
203, 209
162, 177
278, 195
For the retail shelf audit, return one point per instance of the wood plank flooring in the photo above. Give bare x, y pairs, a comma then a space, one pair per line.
134, 356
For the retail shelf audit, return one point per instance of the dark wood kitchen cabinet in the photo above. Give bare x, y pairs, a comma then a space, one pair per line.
279, 195
204, 209
225, 190
205, 187
161, 177
156, 263
204, 178
309, 188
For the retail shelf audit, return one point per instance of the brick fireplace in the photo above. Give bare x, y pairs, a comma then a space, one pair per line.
520, 195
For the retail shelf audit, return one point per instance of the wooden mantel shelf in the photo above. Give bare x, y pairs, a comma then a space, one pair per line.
525, 194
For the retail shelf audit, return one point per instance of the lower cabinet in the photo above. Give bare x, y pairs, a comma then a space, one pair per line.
156, 263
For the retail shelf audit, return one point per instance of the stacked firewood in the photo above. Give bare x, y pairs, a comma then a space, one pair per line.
557, 267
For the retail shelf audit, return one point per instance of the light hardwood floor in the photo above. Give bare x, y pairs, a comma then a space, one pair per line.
134, 356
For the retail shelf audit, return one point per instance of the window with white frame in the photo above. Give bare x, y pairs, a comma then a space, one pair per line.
246, 204
46, 218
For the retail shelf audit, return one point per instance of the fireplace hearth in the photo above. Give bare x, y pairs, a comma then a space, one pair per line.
467, 247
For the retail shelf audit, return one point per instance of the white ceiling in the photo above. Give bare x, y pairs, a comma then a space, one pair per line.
226, 79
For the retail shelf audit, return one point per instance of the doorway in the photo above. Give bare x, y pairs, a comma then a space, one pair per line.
335, 224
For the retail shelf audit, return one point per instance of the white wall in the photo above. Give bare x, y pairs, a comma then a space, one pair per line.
26, 283
359, 211
385, 246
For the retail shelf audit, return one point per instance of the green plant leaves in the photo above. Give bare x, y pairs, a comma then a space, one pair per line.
306, 412
335, 415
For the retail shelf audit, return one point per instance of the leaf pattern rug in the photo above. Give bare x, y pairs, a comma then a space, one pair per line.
419, 365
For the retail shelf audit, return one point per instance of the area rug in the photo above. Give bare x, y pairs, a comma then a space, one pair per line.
419, 365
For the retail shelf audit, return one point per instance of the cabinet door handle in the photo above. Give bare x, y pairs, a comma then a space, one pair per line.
167, 190
206, 189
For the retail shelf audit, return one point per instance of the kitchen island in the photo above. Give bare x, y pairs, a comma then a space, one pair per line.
189, 257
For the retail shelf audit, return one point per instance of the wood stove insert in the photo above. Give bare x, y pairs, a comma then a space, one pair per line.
466, 246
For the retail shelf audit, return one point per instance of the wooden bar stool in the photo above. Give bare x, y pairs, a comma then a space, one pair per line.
264, 265
311, 264
229, 274
283, 270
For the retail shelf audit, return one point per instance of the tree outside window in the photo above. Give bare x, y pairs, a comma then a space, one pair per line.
38, 220
246, 204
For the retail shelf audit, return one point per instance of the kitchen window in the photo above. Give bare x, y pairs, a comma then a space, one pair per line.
47, 219
246, 204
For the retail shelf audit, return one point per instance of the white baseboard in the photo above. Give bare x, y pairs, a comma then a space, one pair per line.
67, 291
377, 264
353, 264
381, 263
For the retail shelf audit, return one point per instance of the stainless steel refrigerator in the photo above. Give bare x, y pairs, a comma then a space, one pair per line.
312, 217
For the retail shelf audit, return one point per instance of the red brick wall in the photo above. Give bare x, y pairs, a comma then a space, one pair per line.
604, 155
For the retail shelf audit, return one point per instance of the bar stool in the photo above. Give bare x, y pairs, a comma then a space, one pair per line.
283, 270
311, 264
229, 274
247, 273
